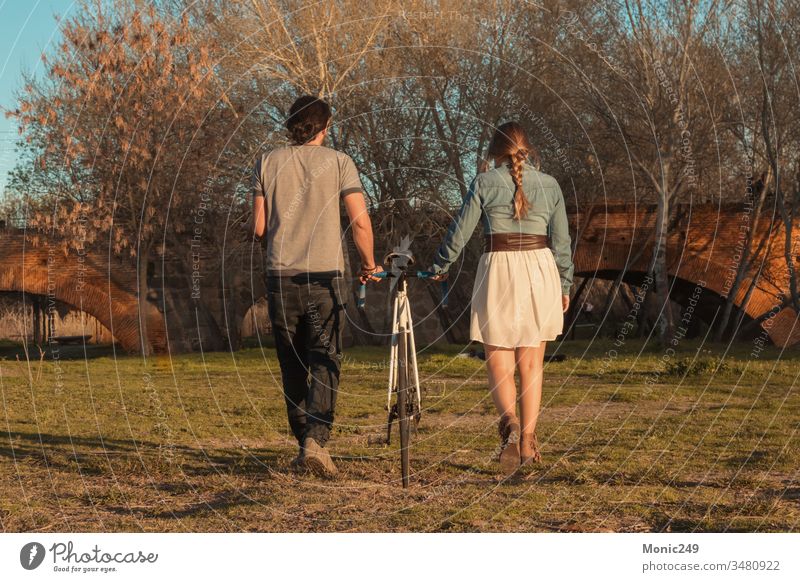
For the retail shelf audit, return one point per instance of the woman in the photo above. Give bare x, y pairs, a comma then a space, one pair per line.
521, 286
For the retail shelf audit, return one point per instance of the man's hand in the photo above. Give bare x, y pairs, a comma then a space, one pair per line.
439, 277
368, 274
565, 302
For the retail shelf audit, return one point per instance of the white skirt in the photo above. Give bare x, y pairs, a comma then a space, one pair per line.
516, 299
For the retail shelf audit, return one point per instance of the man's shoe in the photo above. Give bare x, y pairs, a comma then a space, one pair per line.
317, 459
298, 464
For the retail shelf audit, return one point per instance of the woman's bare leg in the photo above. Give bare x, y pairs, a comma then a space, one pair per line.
500, 367
530, 362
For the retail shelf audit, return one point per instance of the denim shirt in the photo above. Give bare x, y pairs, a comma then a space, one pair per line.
491, 198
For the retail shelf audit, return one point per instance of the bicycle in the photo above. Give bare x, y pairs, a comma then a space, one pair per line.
403, 372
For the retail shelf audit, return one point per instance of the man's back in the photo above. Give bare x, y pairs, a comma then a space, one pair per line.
302, 187
296, 197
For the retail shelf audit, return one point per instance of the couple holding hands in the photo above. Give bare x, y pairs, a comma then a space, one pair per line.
519, 297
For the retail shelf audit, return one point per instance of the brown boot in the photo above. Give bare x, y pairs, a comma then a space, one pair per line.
529, 449
317, 459
509, 444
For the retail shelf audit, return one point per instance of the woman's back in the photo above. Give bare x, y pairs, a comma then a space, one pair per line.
521, 287
496, 191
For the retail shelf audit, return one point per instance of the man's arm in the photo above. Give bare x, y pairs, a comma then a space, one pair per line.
356, 208
352, 193
259, 216
259, 219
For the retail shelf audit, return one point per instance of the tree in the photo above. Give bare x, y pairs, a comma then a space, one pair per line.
124, 129
649, 111
777, 41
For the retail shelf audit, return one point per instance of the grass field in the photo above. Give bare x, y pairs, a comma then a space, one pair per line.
630, 442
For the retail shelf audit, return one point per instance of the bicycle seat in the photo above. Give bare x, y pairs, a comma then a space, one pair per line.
399, 258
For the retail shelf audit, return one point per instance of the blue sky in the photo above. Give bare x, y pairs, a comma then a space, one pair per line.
27, 27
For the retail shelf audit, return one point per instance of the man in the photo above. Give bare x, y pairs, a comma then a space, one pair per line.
297, 190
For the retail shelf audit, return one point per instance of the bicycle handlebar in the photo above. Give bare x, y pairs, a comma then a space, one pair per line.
362, 289
418, 274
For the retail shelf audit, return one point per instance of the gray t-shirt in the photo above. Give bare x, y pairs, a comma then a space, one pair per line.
302, 187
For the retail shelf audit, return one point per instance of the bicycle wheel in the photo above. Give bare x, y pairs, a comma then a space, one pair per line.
403, 417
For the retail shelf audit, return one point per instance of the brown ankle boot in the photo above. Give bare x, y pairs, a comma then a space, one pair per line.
529, 449
509, 444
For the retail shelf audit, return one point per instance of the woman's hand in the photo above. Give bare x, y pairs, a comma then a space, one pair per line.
439, 277
565, 302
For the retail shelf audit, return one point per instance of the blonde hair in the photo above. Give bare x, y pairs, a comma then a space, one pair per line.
510, 141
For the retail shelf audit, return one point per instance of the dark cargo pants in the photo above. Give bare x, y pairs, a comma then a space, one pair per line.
307, 317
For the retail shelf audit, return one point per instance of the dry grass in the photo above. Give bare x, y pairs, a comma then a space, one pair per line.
193, 444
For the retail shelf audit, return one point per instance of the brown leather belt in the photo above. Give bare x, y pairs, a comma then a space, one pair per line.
516, 241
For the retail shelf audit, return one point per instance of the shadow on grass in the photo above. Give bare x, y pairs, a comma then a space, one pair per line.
220, 501
65, 352
93, 455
